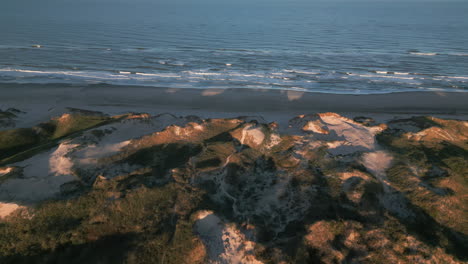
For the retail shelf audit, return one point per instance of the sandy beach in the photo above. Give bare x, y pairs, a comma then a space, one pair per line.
51, 100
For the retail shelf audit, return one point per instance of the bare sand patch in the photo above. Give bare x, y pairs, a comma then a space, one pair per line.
8, 208
225, 243
377, 162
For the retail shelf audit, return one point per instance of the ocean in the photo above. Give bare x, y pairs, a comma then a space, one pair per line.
331, 47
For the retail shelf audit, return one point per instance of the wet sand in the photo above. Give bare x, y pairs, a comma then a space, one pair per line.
50, 100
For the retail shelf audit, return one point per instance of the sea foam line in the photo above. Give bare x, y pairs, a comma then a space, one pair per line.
424, 53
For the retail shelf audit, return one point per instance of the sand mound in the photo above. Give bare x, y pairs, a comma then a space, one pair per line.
224, 242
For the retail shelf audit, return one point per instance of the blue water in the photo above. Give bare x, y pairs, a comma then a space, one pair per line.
339, 47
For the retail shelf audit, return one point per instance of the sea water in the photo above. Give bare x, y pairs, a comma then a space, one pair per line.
337, 46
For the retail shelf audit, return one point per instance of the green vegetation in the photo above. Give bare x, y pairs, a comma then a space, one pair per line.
300, 204
69, 124
15, 140
432, 173
142, 223
21, 143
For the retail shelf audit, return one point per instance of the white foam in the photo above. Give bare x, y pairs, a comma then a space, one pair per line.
250, 75
167, 75
302, 72
226, 74
423, 53
381, 76
92, 75
392, 72
457, 77
287, 79
203, 73
458, 54
26, 71
89, 74
174, 63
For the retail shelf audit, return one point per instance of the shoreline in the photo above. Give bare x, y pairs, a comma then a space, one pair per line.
304, 90
45, 101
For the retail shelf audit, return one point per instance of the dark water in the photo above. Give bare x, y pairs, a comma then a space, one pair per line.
326, 47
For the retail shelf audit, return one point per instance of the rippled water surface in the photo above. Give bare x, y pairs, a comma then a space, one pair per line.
325, 47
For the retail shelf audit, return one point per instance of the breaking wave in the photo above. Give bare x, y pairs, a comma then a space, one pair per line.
288, 79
